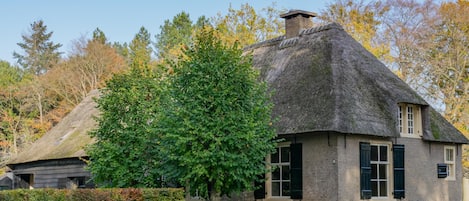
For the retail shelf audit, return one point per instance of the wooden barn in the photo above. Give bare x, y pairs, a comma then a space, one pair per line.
57, 160
352, 129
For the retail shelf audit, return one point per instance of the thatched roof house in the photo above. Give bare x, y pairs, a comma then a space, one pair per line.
336, 104
324, 80
55, 160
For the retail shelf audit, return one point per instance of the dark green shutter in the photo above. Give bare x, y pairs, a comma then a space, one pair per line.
399, 177
365, 171
296, 165
259, 193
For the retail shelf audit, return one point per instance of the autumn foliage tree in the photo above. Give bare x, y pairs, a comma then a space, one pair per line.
362, 20
38, 95
448, 68
247, 26
12, 113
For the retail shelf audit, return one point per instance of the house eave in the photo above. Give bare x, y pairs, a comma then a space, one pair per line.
42, 161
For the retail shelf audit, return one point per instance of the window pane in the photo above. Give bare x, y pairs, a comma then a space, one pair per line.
410, 120
374, 171
274, 156
450, 170
285, 151
383, 189
275, 188
276, 173
285, 188
410, 112
383, 153
285, 172
449, 155
374, 153
382, 171
374, 188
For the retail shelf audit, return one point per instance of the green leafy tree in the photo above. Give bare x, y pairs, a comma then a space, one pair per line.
216, 120
126, 152
9, 74
40, 54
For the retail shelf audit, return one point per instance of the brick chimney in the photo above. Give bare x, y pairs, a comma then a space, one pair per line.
297, 20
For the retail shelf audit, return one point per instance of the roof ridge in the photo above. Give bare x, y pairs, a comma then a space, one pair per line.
317, 29
292, 41
264, 43
288, 42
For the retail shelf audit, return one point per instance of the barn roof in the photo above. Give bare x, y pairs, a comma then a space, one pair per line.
68, 138
324, 80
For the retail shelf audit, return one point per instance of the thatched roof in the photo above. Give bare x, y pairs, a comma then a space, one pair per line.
324, 80
68, 138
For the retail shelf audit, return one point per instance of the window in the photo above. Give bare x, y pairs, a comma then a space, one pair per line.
280, 178
379, 170
450, 161
25, 181
375, 171
286, 178
409, 120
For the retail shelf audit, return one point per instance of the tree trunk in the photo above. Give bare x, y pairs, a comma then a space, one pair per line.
212, 193
188, 190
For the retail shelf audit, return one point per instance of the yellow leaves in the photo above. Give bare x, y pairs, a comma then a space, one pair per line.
463, 128
465, 163
246, 26
398, 73
362, 22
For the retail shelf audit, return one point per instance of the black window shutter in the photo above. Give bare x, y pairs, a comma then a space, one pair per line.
296, 165
399, 177
365, 171
259, 193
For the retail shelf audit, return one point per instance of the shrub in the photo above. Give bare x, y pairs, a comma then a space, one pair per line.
103, 194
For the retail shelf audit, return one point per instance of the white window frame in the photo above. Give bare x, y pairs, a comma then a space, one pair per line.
388, 168
400, 118
278, 165
450, 160
409, 120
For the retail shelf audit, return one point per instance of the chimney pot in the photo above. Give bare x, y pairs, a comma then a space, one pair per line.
297, 20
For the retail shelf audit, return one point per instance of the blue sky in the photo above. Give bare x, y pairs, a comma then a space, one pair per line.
120, 20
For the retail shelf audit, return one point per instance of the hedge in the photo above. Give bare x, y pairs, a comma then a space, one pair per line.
99, 194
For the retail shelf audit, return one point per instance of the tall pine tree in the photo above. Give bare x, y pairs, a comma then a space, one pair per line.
40, 54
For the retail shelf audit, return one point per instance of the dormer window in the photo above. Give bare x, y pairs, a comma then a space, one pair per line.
409, 120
